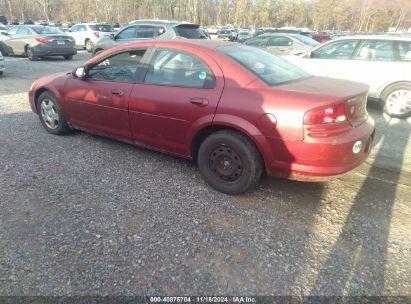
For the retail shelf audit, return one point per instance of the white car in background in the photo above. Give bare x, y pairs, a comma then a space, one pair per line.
381, 61
87, 34
2, 64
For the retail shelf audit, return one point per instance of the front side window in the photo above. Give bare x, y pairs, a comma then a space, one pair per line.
121, 67
127, 33
175, 68
272, 69
146, 31
336, 50
404, 50
82, 28
375, 50
13, 31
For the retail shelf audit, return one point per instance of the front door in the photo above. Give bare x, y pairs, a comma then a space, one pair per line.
99, 103
180, 91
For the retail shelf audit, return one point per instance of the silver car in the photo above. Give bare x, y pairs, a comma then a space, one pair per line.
382, 61
149, 29
283, 44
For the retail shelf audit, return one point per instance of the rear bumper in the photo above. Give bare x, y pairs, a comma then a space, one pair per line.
322, 158
53, 50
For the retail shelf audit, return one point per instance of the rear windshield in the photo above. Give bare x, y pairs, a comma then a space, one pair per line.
189, 31
46, 30
101, 27
306, 40
272, 69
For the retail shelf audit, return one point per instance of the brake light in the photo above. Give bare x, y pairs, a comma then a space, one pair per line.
42, 40
326, 115
97, 34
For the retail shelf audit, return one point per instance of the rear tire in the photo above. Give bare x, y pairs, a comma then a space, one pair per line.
397, 100
51, 115
30, 54
1, 73
88, 45
230, 162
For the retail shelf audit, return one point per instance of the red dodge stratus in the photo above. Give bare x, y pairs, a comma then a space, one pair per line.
237, 110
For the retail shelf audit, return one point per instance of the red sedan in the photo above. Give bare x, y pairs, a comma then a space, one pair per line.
237, 110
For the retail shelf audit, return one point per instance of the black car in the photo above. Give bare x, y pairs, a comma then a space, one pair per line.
3, 20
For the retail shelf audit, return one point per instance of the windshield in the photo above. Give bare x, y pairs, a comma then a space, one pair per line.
46, 30
306, 40
189, 31
101, 27
271, 69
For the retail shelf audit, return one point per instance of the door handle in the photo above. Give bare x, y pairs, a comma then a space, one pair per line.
117, 92
201, 102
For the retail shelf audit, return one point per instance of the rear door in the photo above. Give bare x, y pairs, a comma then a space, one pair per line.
280, 45
100, 102
180, 91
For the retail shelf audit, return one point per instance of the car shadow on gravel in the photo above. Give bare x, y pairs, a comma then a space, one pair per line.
358, 261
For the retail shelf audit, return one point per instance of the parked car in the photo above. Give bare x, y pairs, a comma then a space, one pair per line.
87, 34
2, 64
243, 35
43, 23
382, 61
28, 22
225, 34
283, 44
14, 22
150, 29
321, 37
237, 110
36, 41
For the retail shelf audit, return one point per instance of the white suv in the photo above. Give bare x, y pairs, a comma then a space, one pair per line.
382, 61
87, 34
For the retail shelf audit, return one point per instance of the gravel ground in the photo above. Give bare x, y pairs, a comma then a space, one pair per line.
85, 215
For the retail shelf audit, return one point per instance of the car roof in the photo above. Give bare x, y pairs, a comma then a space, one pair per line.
159, 22
376, 37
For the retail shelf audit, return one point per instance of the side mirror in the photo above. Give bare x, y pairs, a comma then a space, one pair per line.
79, 73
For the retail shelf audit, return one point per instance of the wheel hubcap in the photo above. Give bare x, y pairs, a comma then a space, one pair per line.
49, 114
226, 164
399, 102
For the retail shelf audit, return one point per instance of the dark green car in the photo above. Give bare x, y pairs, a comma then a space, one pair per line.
36, 41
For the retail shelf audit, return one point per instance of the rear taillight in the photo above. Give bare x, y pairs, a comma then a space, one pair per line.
326, 115
42, 40
96, 34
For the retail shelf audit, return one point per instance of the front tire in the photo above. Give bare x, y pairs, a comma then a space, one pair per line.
397, 100
51, 115
230, 162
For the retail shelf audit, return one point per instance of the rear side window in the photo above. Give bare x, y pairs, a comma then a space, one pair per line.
101, 27
23, 31
404, 50
189, 31
336, 50
175, 68
121, 67
375, 50
147, 31
259, 41
280, 41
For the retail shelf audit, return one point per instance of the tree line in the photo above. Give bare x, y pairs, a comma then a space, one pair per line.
352, 15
